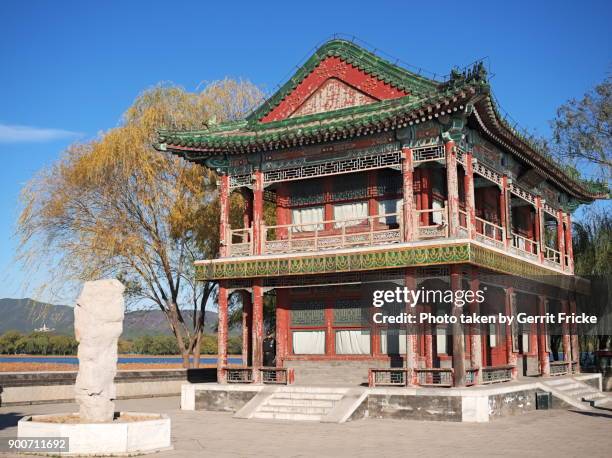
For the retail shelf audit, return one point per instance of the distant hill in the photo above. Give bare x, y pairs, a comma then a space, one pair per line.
26, 315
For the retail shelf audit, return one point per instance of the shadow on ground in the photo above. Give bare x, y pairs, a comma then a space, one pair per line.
9, 420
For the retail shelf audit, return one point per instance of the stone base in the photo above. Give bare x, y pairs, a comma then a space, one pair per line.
476, 404
149, 435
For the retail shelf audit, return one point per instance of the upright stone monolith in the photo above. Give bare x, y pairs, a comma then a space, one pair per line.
98, 323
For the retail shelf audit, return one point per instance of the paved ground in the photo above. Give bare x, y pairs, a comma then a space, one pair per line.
541, 433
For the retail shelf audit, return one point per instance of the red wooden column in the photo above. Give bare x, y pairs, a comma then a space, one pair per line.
503, 211
452, 187
574, 338
258, 328
247, 327
512, 357
372, 185
408, 218
457, 328
539, 229
247, 215
224, 238
283, 215
258, 220
475, 335
425, 194
567, 345
222, 332
282, 325
543, 340
561, 239
569, 247
411, 336
470, 202
429, 356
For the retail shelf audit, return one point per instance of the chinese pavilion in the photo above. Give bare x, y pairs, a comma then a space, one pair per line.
378, 173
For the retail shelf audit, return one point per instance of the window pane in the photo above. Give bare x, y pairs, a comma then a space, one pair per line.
351, 214
308, 342
306, 217
353, 342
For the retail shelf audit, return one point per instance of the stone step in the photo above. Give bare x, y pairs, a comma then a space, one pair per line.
287, 416
593, 396
579, 392
301, 402
310, 389
309, 396
601, 401
559, 382
568, 386
295, 410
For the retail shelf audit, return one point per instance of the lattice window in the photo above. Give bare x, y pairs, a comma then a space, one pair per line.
428, 153
349, 312
237, 181
335, 167
308, 313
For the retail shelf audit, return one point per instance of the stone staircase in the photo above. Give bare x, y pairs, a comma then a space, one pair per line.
577, 394
300, 403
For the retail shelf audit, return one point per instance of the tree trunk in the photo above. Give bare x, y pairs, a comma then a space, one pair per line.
196, 350
185, 355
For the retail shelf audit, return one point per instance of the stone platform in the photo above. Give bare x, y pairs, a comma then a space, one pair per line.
477, 404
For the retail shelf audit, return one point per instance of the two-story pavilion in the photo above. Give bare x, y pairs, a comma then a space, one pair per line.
378, 173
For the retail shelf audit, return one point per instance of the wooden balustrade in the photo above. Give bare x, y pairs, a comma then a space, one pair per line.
241, 242
442, 377
269, 375
490, 232
471, 376
524, 245
238, 374
436, 225
277, 375
496, 374
560, 367
381, 230
552, 255
317, 236
388, 377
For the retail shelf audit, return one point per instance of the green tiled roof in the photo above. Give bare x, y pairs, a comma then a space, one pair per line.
360, 58
239, 135
426, 98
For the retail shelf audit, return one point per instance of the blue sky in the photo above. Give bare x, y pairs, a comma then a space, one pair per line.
70, 69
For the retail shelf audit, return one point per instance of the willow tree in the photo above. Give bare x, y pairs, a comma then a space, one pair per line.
115, 207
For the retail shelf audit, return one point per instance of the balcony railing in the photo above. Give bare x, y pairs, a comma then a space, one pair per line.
434, 377
276, 375
523, 245
495, 374
388, 377
560, 367
333, 234
241, 242
471, 376
552, 256
489, 232
238, 374
385, 229
432, 223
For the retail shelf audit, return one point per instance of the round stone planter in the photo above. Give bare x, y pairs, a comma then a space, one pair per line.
142, 433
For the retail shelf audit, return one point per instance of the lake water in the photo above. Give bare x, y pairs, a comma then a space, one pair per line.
136, 359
